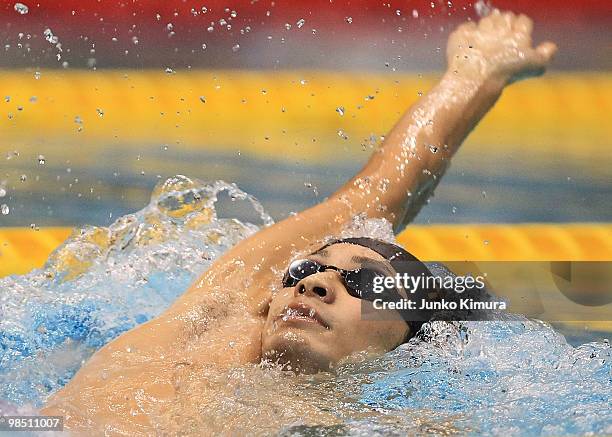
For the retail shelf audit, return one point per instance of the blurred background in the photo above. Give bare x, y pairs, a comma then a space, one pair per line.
102, 99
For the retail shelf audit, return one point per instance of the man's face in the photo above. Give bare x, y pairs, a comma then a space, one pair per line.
316, 323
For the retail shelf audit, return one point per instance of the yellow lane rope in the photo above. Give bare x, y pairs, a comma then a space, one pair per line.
24, 249
270, 114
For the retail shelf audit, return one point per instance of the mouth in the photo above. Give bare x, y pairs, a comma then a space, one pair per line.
302, 313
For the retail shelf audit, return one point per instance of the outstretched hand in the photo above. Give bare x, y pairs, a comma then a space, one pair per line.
498, 48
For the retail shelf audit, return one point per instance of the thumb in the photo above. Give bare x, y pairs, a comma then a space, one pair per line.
546, 51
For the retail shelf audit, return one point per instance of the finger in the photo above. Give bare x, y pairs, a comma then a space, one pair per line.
546, 51
523, 24
467, 26
488, 23
507, 19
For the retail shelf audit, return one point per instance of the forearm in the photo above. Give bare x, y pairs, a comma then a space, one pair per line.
393, 184
399, 177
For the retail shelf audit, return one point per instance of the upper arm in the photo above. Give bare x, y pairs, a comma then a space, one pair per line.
257, 257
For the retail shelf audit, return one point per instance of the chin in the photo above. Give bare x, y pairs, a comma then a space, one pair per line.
296, 351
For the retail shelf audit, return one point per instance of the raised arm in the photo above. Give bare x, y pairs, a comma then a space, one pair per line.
482, 59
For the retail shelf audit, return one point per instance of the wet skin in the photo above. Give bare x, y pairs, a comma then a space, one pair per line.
230, 315
317, 322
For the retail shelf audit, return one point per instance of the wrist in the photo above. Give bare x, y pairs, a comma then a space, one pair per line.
483, 84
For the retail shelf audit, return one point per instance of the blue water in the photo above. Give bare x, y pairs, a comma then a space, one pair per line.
513, 377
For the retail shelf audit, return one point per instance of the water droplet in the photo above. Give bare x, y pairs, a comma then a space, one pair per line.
300, 23
482, 8
486, 242
398, 12
433, 149
169, 26
23, 178
169, 70
41, 160
202, 99
78, 120
340, 110
48, 33
37, 75
100, 112
349, 20
4, 209
484, 194
2, 192
20, 8
33, 99
415, 13
454, 210
287, 26
303, 82
235, 48
203, 46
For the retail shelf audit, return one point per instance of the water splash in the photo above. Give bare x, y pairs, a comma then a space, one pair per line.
105, 280
510, 377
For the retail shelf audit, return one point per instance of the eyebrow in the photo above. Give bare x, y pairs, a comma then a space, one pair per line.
371, 263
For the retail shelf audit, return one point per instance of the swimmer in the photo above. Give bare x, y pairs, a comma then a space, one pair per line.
280, 296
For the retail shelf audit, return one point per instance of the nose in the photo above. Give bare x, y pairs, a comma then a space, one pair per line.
319, 286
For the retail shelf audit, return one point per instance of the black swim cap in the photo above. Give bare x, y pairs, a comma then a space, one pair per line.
403, 262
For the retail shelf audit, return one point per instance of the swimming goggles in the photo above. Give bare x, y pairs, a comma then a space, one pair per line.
359, 283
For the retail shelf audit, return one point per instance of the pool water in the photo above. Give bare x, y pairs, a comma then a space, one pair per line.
510, 377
